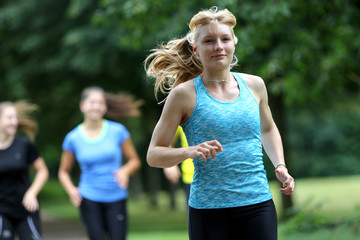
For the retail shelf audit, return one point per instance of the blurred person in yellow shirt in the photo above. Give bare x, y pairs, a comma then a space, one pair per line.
186, 169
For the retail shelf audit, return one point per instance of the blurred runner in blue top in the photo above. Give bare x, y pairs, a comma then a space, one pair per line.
98, 145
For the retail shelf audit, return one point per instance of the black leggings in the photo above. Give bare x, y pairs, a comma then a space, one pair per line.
101, 219
27, 228
254, 222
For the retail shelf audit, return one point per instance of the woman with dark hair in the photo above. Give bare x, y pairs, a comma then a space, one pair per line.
98, 145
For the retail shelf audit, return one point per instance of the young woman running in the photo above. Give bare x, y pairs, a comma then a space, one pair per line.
19, 207
226, 119
98, 145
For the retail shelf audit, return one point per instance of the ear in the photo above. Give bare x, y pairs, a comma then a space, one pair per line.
81, 106
195, 51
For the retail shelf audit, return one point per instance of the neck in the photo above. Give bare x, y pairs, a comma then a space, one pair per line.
93, 124
5, 140
216, 77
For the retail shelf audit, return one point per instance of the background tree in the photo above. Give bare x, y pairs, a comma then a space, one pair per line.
307, 53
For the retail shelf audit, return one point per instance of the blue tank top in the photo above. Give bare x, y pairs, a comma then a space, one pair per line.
236, 177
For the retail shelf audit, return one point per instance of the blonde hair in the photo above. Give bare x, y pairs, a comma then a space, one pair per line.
175, 62
24, 109
118, 105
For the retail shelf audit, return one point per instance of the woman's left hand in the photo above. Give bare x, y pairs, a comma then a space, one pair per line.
287, 181
122, 178
30, 202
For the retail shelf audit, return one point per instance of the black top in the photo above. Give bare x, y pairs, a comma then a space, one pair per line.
14, 176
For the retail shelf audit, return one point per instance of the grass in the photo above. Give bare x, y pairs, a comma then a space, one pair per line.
337, 195
328, 209
341, 233
54, 201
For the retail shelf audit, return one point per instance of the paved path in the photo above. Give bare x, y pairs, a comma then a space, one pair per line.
58, 229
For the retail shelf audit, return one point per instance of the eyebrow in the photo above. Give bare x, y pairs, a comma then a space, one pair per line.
222, 35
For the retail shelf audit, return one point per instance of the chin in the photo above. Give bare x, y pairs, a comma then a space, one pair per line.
96, 117
12, 132
221, 66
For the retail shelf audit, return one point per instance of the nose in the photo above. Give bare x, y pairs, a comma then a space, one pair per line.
14, 121
219, 45
96, 104
97, 107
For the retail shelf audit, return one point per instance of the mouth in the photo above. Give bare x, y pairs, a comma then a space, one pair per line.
219, 56
96, 113
12, 128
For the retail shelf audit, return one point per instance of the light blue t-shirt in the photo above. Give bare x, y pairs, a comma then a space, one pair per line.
236, 177
99, 159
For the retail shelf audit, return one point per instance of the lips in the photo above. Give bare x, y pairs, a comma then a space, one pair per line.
219, 56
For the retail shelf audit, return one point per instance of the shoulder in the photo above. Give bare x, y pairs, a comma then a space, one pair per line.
184, 89
181, 96
115, 125
179, 103
74, 131
72, 134
184, 93
117, 131
22, 140
252, 81
256, 85
25, 143
182, 99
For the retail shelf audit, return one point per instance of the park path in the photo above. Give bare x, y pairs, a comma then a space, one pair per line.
58, 229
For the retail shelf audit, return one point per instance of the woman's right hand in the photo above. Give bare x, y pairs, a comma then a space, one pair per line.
67, 161
172, 174
75, 196
205, 150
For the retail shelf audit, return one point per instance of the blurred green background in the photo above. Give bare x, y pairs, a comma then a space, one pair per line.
307, 52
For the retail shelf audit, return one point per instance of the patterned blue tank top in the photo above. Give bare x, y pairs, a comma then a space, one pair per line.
236, 177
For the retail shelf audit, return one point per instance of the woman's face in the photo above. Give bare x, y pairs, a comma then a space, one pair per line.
9, 120
94, 106
215, 45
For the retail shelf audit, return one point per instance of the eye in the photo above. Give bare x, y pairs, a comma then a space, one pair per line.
208, 41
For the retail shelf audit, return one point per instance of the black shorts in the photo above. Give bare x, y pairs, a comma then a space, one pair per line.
27, 228
104, 219
254, 222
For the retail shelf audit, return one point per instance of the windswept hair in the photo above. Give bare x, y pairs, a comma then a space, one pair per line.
24, 110
118, 105
175, 62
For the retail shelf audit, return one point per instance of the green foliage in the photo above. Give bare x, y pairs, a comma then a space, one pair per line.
324, 143
50, 52
306, 51
306, 218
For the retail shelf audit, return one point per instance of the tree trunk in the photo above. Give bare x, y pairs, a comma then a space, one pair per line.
172, 195
136, 188
153, 184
